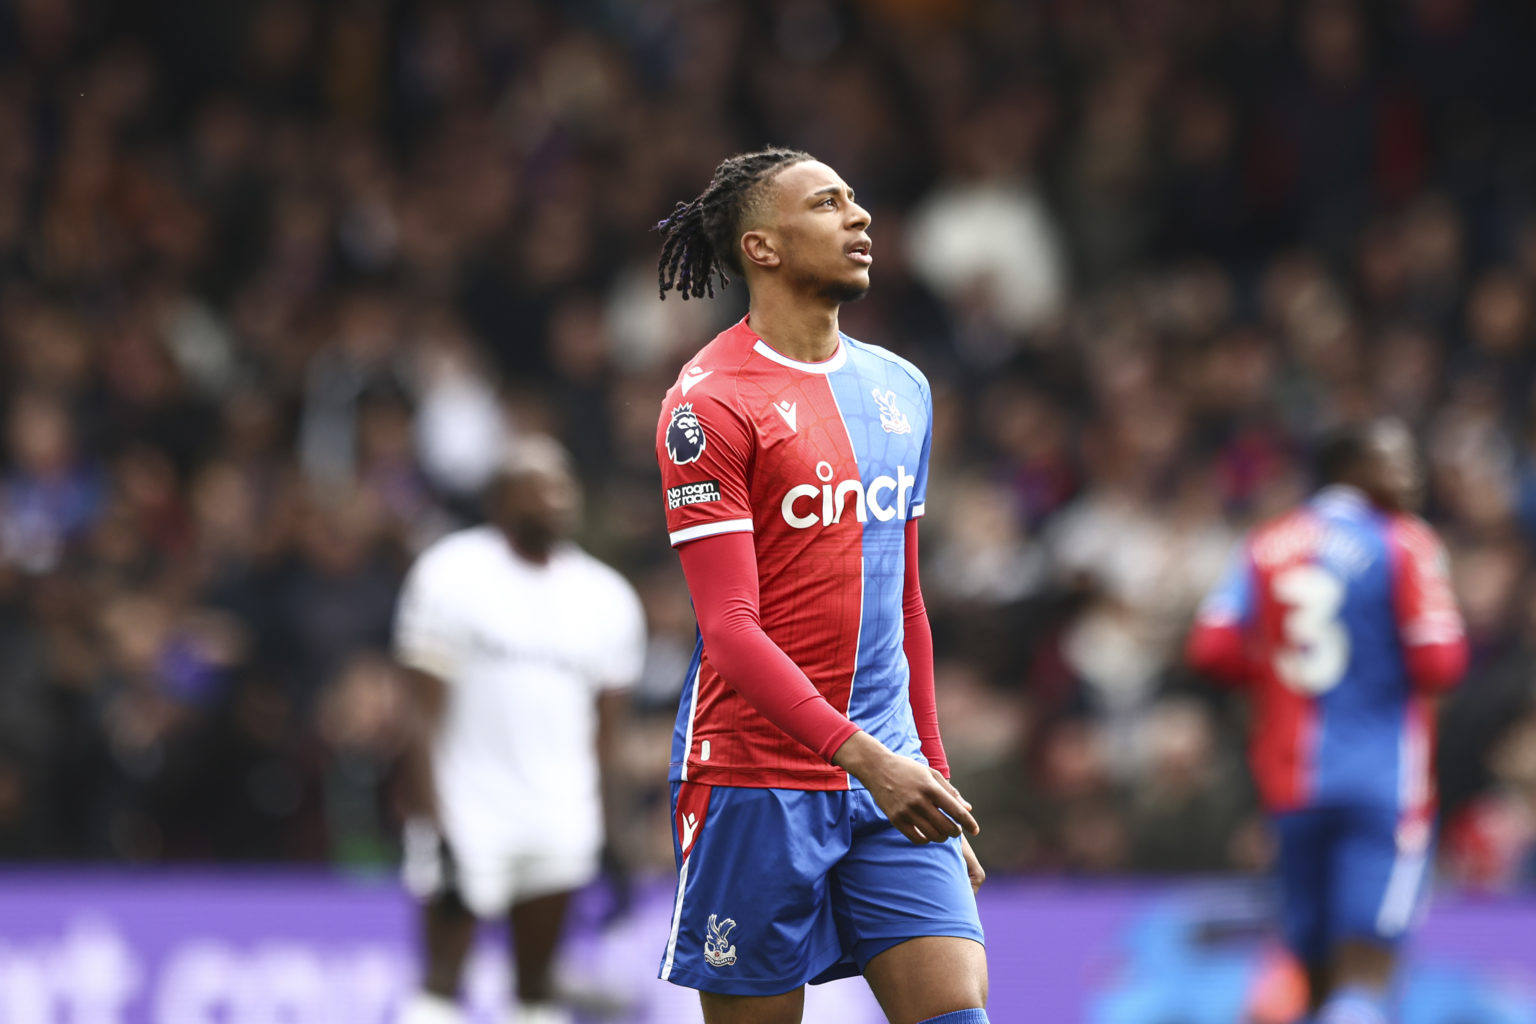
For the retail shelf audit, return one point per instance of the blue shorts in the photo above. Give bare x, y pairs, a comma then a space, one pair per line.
780, 887
1350, 873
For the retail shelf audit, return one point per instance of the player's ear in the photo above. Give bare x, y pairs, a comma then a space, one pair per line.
759, 249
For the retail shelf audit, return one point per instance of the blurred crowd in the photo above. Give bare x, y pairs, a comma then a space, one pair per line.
278, 277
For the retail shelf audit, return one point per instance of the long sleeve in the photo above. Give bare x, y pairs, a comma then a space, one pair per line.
917, 642
722, 577
1218, 650
1218, 644
1433, 635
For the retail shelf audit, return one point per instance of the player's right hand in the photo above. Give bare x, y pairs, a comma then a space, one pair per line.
920, 802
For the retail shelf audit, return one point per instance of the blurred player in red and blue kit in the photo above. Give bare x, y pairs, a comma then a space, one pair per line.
1340, 620
815, 830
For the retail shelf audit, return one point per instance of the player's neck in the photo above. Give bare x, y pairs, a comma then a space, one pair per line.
535, 550
804, 331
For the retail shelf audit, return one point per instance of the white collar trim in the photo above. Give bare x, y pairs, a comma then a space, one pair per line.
831, 364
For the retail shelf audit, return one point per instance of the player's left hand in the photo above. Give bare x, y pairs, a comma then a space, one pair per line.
973, 866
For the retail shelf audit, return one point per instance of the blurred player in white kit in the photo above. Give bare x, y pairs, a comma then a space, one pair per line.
518, 646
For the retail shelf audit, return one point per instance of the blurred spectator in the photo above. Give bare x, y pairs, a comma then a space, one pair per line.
982, 237
1187, 806
1491, 843
51, 495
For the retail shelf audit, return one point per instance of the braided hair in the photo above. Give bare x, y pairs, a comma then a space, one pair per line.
701, 236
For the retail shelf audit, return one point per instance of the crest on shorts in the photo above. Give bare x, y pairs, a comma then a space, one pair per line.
892, 419
718, 950
685, 435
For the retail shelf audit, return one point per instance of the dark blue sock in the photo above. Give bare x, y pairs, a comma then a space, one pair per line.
959, 1017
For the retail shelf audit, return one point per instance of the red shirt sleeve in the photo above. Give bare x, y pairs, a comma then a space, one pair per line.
1433, 635
917, 642
704, 447
1218, 643
1218, 648
722, 578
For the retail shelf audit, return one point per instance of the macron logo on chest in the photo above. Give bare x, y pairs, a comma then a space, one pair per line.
786, 411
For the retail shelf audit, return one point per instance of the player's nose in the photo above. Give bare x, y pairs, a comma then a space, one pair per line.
858, 217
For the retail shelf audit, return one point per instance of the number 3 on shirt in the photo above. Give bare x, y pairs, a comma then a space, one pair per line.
1316, 650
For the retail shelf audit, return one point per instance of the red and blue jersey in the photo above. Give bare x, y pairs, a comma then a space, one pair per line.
1332, 610
824, 464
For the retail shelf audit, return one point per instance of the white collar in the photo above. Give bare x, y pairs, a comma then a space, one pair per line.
831, 364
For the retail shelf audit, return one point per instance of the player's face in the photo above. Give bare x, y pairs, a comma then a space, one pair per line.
540, 504
1396, 479
821, 232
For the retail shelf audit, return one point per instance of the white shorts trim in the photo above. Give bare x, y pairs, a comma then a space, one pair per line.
677, 920
1402, 894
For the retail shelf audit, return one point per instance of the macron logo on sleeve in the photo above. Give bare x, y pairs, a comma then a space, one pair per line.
692, 377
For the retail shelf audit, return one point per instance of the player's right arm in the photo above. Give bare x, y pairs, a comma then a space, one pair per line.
1218, 643
425, 649
704, 447
427, 695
